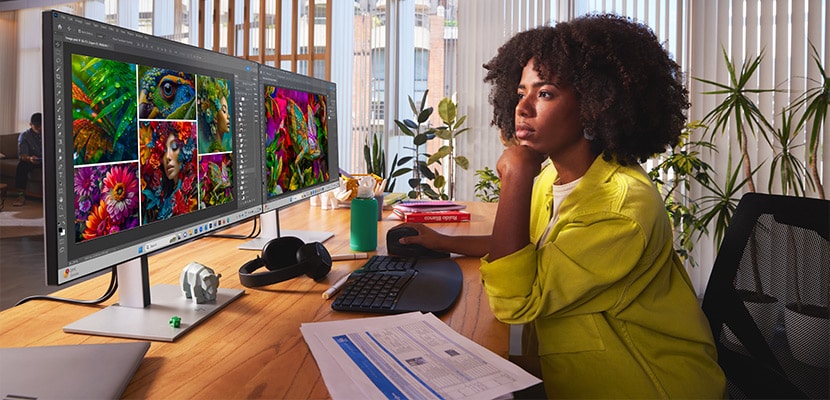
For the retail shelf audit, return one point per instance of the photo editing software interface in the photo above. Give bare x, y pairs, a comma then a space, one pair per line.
148, 143
299, 133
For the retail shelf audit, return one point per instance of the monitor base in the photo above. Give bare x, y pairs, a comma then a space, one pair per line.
153, 321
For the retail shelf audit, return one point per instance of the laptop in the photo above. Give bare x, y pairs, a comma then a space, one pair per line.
83, 371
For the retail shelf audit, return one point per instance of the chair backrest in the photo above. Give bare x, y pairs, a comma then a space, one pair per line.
772, 265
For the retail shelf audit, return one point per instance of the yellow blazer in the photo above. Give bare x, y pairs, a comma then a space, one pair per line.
615, 313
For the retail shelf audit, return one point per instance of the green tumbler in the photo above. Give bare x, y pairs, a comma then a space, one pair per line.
364, 224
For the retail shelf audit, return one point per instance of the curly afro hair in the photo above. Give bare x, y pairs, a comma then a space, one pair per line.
631, 94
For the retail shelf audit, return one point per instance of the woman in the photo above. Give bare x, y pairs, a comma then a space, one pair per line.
582, 248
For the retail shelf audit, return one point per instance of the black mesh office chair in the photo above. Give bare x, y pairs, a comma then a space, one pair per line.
781, 245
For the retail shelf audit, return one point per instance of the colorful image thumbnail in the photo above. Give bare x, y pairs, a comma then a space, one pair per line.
296, 139
166, 94
214, 115
168, 169
106, 199
215, 179
103, 110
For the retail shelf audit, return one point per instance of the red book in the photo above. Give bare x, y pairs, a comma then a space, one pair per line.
433, 216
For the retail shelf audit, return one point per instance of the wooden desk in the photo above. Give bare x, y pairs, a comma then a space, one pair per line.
253, 348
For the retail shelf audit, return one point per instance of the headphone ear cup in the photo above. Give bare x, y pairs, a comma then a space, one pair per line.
317, 258
281, 252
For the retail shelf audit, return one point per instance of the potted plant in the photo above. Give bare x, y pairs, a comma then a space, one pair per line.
448, 112
425, 181
375, 158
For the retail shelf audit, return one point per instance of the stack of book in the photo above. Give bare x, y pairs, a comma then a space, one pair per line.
430, 211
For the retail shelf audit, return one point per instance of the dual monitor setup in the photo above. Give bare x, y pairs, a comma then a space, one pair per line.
150, 143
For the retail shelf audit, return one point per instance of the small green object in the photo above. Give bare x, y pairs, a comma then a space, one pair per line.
175, 321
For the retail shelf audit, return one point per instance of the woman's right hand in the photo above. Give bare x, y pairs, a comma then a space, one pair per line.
426, 237
472, 246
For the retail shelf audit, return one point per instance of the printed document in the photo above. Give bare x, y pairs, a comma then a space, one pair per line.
413, 356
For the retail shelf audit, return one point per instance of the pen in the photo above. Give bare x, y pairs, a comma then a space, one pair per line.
349, 256
334, 288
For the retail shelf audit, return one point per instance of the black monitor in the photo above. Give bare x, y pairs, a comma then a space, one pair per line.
298, 118
148, 144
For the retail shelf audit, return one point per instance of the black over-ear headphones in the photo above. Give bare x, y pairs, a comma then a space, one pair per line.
286, 257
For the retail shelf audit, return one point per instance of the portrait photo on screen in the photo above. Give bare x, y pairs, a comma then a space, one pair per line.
214, 115
166, 94
103, 110
296, 139
168, 169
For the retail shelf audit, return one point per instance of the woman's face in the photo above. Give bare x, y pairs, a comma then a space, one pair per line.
171, 158
222, 118
547, 115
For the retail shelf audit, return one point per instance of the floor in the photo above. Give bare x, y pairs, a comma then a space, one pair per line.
21, 258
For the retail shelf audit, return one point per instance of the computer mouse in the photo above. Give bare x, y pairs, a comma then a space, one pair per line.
395, 248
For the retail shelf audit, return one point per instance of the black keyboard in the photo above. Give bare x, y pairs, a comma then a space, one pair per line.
389, 284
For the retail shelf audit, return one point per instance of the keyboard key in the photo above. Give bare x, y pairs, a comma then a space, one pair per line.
376, 285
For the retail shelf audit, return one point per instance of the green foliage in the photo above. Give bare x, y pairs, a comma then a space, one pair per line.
375, 158
721, 203
488, 187
738, 106
674, 175
816, 102
427, 179
104, 110
790, 169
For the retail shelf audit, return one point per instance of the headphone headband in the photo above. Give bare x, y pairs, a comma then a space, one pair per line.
286, 258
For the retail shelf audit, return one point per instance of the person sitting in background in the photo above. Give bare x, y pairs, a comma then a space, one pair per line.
581, 251
29, 150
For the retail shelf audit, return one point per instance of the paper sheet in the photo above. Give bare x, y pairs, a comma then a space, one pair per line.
413, 355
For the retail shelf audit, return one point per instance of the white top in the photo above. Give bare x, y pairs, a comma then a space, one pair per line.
560, 192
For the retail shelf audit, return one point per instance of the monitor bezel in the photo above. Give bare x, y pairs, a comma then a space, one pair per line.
272, 76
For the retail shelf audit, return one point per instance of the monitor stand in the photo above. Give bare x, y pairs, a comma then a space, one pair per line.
270, 229
144, 312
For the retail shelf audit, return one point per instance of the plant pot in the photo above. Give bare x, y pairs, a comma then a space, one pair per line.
764, 311
807, 333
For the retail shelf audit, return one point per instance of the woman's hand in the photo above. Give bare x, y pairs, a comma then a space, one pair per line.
426, 237
520, 162
517, 168
472, 246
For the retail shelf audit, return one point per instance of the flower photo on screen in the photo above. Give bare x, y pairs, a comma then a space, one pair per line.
106, 200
